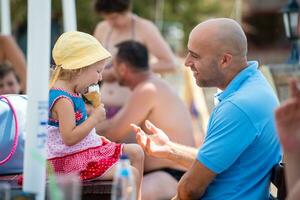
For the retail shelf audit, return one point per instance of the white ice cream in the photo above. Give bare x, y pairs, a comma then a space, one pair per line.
94, 88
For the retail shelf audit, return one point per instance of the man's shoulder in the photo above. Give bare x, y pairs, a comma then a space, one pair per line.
253, 101
145, 88
155, 86
255, 91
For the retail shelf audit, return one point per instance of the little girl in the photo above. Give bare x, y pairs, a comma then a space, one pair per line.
72, 143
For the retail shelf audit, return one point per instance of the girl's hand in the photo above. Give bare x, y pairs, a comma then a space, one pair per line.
99, 113
89, 109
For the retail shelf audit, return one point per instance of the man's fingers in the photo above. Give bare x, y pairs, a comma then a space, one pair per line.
139, 139
135, 128
148, 148
294, 90
151, 127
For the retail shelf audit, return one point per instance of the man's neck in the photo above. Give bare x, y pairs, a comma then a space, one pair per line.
138, 78
232, 74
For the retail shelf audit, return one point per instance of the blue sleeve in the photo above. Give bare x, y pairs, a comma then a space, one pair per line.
229, 133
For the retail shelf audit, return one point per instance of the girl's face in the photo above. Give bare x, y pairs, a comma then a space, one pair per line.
91, 75
9, 84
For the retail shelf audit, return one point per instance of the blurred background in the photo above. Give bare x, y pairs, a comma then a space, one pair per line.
175, 18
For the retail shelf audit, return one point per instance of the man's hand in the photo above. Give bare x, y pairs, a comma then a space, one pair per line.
287, 120
155, 144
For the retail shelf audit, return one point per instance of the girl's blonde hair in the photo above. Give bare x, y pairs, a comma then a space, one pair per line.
69, 74
64, 74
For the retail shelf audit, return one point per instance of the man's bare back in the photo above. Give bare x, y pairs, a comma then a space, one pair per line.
170, 114
152, 99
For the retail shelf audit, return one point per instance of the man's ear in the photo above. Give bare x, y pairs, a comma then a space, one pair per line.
226, 60
123, 68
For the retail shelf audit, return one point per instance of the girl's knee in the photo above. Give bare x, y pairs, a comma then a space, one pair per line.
135, 172
135, 152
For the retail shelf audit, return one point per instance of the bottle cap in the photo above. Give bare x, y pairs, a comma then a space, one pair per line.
124, 156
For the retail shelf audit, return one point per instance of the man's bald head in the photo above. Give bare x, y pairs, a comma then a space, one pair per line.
217, 52
222, 34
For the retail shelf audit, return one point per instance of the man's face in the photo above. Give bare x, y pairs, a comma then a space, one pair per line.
119, 68
9, 84
203, 61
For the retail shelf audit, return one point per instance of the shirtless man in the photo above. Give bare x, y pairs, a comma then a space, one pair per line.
121, 24
152, 98
12, 54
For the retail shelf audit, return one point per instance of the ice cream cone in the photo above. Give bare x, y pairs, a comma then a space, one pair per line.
94, 98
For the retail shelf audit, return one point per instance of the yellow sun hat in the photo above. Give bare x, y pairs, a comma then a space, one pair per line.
75, 50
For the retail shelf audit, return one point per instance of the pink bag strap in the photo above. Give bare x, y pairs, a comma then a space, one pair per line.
16, 131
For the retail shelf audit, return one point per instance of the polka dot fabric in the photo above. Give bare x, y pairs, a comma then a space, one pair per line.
90, 163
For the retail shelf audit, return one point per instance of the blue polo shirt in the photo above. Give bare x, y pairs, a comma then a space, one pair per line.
241, 145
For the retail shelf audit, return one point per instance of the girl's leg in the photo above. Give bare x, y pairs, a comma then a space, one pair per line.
136, 156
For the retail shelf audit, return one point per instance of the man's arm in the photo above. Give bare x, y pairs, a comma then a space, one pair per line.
135, 110
195, 181
158, 145
182, 155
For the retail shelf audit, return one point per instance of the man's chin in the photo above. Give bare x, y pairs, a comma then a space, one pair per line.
122, 83
202, 84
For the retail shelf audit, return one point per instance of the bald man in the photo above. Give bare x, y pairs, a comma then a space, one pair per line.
241, 145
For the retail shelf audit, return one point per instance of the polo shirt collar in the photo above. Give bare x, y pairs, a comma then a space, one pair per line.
237, 81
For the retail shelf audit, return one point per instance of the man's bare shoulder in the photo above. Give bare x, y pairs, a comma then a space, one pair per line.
153, 86
148, 86
143, 95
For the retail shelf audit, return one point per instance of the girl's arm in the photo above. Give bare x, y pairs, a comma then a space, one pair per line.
71, 134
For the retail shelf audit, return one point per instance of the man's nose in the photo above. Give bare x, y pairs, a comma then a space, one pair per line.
187, 62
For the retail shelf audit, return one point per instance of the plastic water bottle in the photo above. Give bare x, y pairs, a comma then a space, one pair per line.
123, 184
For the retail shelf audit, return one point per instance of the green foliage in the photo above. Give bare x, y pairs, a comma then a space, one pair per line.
187, 12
